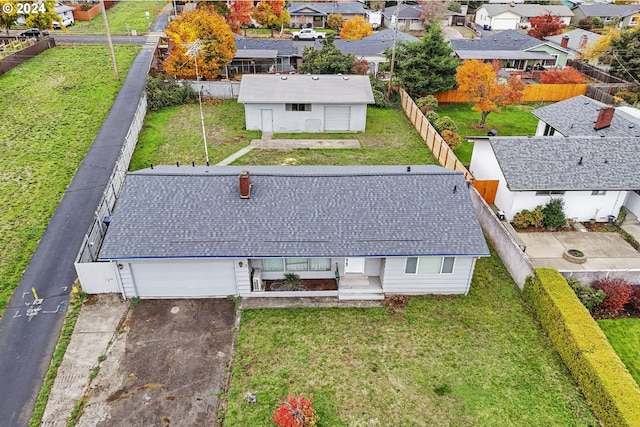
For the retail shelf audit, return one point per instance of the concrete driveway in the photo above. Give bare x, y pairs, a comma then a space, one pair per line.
165, 366
604, 251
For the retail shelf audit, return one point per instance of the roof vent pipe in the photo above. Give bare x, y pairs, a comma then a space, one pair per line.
245, 184
580, 161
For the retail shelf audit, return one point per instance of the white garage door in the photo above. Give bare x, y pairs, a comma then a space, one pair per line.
504, 24
337, 118
184, 279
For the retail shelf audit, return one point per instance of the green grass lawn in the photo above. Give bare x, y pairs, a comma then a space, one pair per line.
175, 135
624, 336
516, 120
475, 360
390, 139
52, 108
130, 12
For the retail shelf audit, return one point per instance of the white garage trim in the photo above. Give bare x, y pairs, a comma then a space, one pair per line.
184, 279
337, 118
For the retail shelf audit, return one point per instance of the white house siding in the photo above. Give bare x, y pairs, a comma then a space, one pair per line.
243, 276
503, 21
301, 121
579, 205
633, 203
395, 281
484, 166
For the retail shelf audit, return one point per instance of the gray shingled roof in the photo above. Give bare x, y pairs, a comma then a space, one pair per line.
305, 211
325, 8
504, 40
528, 10
284, 47
372, 45
576, 117
388, 34
604, 9
407, 11
552, 163
574, 38
502, 54
322, 89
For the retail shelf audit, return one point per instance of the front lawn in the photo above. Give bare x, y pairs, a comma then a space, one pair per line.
390, 139
131, 13
52, 108
476, 360
515, 120
624, 336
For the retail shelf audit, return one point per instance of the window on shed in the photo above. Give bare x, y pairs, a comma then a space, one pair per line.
298, 107
598, 193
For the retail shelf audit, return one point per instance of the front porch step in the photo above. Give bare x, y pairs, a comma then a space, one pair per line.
356, 297
359, 288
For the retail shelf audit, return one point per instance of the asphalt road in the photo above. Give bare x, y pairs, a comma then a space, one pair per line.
27, 342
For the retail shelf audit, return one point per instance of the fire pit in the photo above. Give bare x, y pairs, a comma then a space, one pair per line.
575, 256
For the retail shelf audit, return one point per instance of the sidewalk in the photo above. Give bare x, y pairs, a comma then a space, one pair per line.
631, 225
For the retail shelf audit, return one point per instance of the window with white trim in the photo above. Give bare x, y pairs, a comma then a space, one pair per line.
598, 193
550, 193
298, 107
296, 264
429, 265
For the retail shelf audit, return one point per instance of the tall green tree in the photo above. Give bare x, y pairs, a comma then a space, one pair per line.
7, 20
44, 20
425, 67
625, 54
328, 60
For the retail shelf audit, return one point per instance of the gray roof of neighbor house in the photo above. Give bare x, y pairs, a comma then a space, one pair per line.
325, 8
573, 163
502, 54
283, 47
576, 117
504, 40
406, 11
528, 10
388, 34
575, 37
298, 88
604, 9
294, 211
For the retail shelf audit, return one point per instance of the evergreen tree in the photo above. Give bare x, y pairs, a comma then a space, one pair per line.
427, 66
328, 60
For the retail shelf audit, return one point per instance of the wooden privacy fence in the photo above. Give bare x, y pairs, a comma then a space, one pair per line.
532, 93
436, 144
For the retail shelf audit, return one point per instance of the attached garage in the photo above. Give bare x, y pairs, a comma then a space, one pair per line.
214, 278
337, 118
504, 24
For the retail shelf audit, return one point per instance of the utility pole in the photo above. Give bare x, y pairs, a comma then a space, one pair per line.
193, 51
393, 50
106, 26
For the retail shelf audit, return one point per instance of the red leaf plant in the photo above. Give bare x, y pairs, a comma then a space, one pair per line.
295, 411
618, 293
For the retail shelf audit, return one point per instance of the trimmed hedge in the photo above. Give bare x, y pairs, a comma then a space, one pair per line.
603, 378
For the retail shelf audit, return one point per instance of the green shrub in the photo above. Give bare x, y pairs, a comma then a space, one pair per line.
554, 216
164, 92
452, 139
603, 378
432, 116
588, 296
380, 93
527, 218
427, 103
445, 123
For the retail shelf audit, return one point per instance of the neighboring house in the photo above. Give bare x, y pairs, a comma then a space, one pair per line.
514, 50
305, 103
304, 14
583, 116
263, 56
372, 48
184, 232
512, 16
410, 17
66, 15
573, 41
594, 176
622, 15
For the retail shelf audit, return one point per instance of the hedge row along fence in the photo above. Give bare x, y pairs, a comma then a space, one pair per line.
603, 378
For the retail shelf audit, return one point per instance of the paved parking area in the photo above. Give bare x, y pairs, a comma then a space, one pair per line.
604, 251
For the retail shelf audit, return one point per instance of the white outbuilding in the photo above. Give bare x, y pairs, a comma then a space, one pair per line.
305, 103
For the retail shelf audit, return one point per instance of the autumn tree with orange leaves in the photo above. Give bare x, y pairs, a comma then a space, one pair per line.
545, 25
240, 14
356, 28
216, 46
272, 14
478, 80
567, 75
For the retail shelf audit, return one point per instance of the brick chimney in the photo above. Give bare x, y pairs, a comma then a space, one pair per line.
245, 185
564, 42
605, 116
